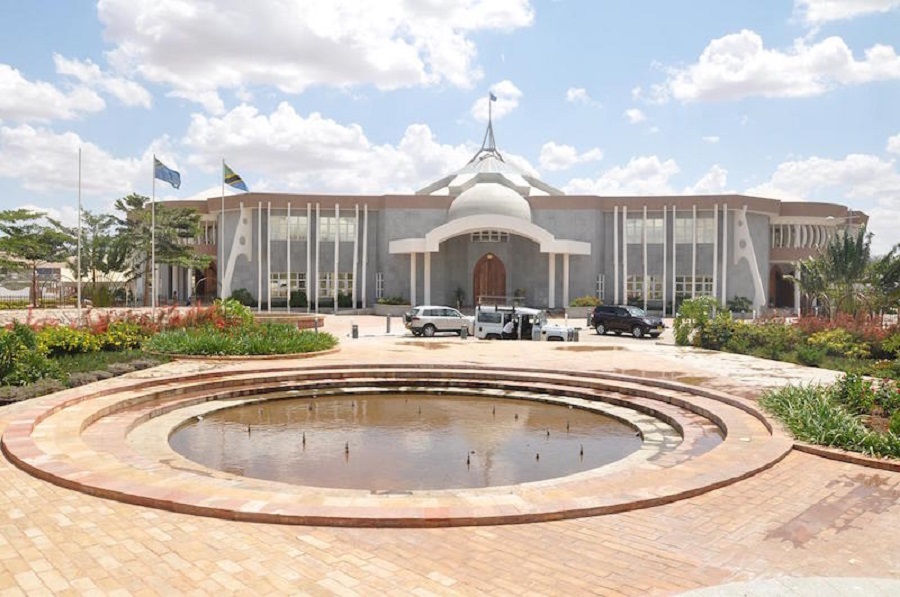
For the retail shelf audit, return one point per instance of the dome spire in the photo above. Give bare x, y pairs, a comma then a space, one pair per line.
488, 144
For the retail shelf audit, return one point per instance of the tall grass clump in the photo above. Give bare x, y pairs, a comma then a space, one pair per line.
245, 339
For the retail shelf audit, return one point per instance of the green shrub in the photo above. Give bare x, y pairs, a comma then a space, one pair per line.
855, 393
740, 304
59, 340
298, 299
243, 296
894, 423
23, 360
693, 315
252, 339
891, 345
392, 300
233, 312
840, 342
345, 300
585, 301
811, 356
122, 335
774, 339
717, 332
887, 397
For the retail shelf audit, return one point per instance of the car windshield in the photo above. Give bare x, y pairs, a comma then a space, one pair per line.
636, 312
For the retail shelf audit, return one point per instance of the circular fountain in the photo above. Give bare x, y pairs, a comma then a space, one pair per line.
675, 441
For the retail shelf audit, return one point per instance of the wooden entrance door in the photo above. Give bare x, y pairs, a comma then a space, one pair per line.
489, 280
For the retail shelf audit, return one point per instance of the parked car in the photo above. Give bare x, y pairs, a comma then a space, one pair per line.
427, 320
527, 324
627, 319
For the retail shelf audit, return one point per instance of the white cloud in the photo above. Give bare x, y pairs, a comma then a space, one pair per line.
856, 176
201, 48
646, 175
738, 65
562, 157
713, 139
507, 95
88, 73
635, 116
861, 177
579, 95
893, 144
317, 154
817, 12
42, 160
24, 100
713, 182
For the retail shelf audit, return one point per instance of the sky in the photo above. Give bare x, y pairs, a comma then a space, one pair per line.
791, 99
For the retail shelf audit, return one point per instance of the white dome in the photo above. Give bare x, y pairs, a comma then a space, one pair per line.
489, 198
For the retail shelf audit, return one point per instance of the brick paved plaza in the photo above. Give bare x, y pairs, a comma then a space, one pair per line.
832, 522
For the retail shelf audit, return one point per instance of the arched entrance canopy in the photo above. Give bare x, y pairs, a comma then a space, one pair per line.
432, 240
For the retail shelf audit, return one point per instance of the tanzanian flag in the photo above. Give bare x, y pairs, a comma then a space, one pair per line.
232, 179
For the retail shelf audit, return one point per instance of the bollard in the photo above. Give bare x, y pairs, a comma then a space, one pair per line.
388, 324
464, 332
354, 331
316, 324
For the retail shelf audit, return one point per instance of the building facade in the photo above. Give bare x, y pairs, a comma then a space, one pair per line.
491, 233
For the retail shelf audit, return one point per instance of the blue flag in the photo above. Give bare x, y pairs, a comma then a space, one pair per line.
165, 174
232, 179
492, 96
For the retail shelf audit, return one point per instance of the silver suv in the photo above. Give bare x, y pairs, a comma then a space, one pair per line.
427, 320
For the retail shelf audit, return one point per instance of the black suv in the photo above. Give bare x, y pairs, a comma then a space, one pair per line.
623, 318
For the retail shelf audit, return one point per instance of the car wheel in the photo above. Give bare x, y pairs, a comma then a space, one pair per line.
637, 332
428, 331
601, 329
654, 335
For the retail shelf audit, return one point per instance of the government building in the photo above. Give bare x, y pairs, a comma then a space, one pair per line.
490, 233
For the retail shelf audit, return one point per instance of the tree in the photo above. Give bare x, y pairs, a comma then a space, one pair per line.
839, 277
102, 257
176, 229
26, 243
885, 280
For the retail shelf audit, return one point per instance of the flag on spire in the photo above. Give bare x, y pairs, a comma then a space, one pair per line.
165, 174
492, 97
232, 179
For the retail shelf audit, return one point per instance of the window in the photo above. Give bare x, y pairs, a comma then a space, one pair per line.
379, 285
278, 284
656, 232
278, 227
633, 229
685, 286
654, 288
326, 283
634, 286
684, 230
328, 228
601, 286
490, 236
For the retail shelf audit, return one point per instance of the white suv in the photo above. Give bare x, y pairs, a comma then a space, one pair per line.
427, 320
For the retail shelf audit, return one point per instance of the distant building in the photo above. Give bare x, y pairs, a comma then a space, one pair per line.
489, 232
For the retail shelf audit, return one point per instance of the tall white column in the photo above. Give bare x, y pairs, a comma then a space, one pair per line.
665, 248
315, 283
426, 282
365, 252
565, 280
412, 279
551, 281
644, 251
355, 255
674, 258
625, 254
797, 290
715, 275
269, 255
694, 257
337, 253
724, 252
309, 270
288, 256
259, 260
616, 254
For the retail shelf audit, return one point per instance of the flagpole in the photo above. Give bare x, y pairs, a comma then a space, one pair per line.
78, 258
153, 243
